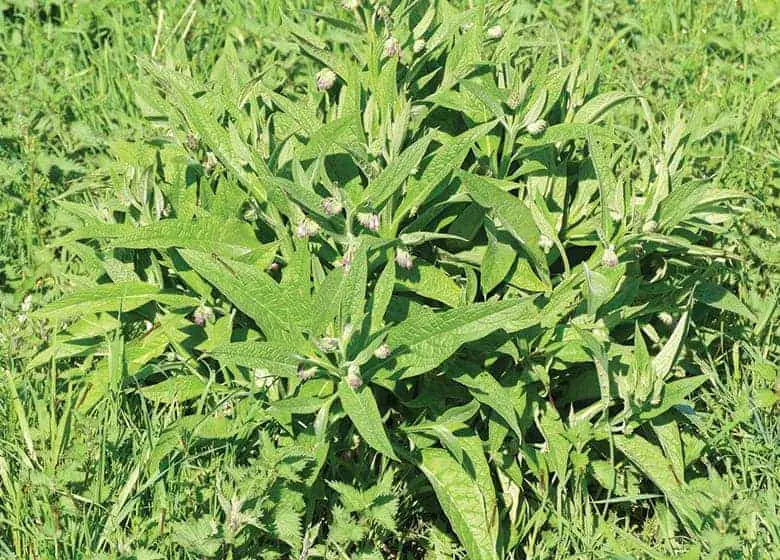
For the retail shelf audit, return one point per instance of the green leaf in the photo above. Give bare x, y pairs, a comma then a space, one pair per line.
113, 297
514, 215
663, 362
567, 132
275, 359
393, 176
463, 503
362, 409
596, 108
179, 388
424, 341
487, 390
649, 459
252, 291
229, 238
445, 160
430, 282
721, 298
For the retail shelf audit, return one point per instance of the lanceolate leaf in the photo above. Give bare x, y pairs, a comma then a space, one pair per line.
513, 214
252, 291
229, 238
421, 343
393, 176
113, 297
275, 359
463, 503
361, 407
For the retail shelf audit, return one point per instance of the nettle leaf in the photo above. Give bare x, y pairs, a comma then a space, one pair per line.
113, 297
466, 505
360, 405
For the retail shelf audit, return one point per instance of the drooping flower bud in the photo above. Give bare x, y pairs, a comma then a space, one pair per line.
495, 32
202, 315
610, 258
391, 48
404, 259
331, 206
328, 344
306, 228
418, 46
304, 373
650, 226
350, 4
537, 127
346, 260
369, 221
545, 243
383, 352
325, 79
210, 163
666, 318
353, 376
192, 142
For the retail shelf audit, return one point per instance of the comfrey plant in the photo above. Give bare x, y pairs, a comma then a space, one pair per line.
442, 252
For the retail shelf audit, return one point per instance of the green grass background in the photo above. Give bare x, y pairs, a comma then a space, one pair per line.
68, 79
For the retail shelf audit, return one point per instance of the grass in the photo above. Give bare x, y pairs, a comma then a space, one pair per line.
122, 441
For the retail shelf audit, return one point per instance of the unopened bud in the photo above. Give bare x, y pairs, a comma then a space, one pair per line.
210, 162
609, 258
331, 206
369, 221
353, 376
666, 318
306, 228
495, 32
350, 4
383, 352
328, 344
545, 243
392, 48
304, 373
650, 226
537, 127
418, 46
325, 79
202, 315
404, 259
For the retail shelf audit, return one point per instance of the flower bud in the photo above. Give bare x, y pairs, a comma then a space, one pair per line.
350, 4
666, 318
202, 315
404, 259
210, 162
495, 32
369, 221
354, 379
650, 226
304, 373
418, 46
306, 228
325, 79
610, 258
192, 142
545, 243
537, 127
331, 206
328, 344
383, 352
391, 48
